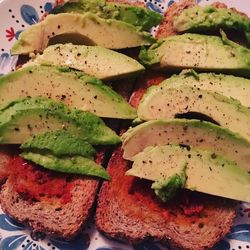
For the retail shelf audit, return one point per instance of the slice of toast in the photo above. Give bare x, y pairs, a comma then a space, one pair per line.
128, 210
48, 215
54, 219
62, 220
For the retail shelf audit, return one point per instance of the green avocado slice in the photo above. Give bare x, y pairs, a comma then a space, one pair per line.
135, 15
206, 171
73, 164
227, 85
93, 60
59, 143
21, 120
209, 18
165, 187
86, 29
174, 102
73, 88
201, 135
198, 52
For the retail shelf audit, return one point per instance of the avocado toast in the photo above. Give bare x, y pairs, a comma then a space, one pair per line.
136, 215
115, 214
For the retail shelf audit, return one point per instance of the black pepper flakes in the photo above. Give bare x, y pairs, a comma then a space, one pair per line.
63, 97
29, 127
213, 156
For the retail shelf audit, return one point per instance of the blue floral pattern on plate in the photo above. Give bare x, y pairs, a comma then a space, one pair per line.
14, 235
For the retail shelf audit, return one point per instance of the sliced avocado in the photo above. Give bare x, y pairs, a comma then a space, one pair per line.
227, 85
202, 135
73, 164
164, 187
59, 143
73, 88
200, 52
209, 18
86, 29
177, 102
135, 15
93, 60
21, 120
206, 171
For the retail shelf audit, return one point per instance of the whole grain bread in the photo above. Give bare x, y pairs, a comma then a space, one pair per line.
128, 210
48, 216
54, 219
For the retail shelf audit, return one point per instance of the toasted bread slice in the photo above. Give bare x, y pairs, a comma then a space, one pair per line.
129, 210
50, 216
63, 220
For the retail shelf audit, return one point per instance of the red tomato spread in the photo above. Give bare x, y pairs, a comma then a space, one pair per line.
36, 184
191, 206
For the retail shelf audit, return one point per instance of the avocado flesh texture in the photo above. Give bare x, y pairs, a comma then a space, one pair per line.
73, 164
138, 16
21, 120
75, 89
201, 135
89, 28
199, 52
206, 172
208, 18
93, 60
169, 103
227, 85
59, 143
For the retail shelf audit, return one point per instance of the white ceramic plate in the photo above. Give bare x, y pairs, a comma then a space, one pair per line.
16, 15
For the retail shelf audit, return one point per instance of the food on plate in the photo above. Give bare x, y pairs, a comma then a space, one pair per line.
52, 185
166, 27
65, 164
190, 220
204, 171
21, 120
195, 133
129, 210
73, 88
93, 60
56, 204
209, 18
178, 102
87, 29
133, 14
226, 85
59, 143
198, 52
